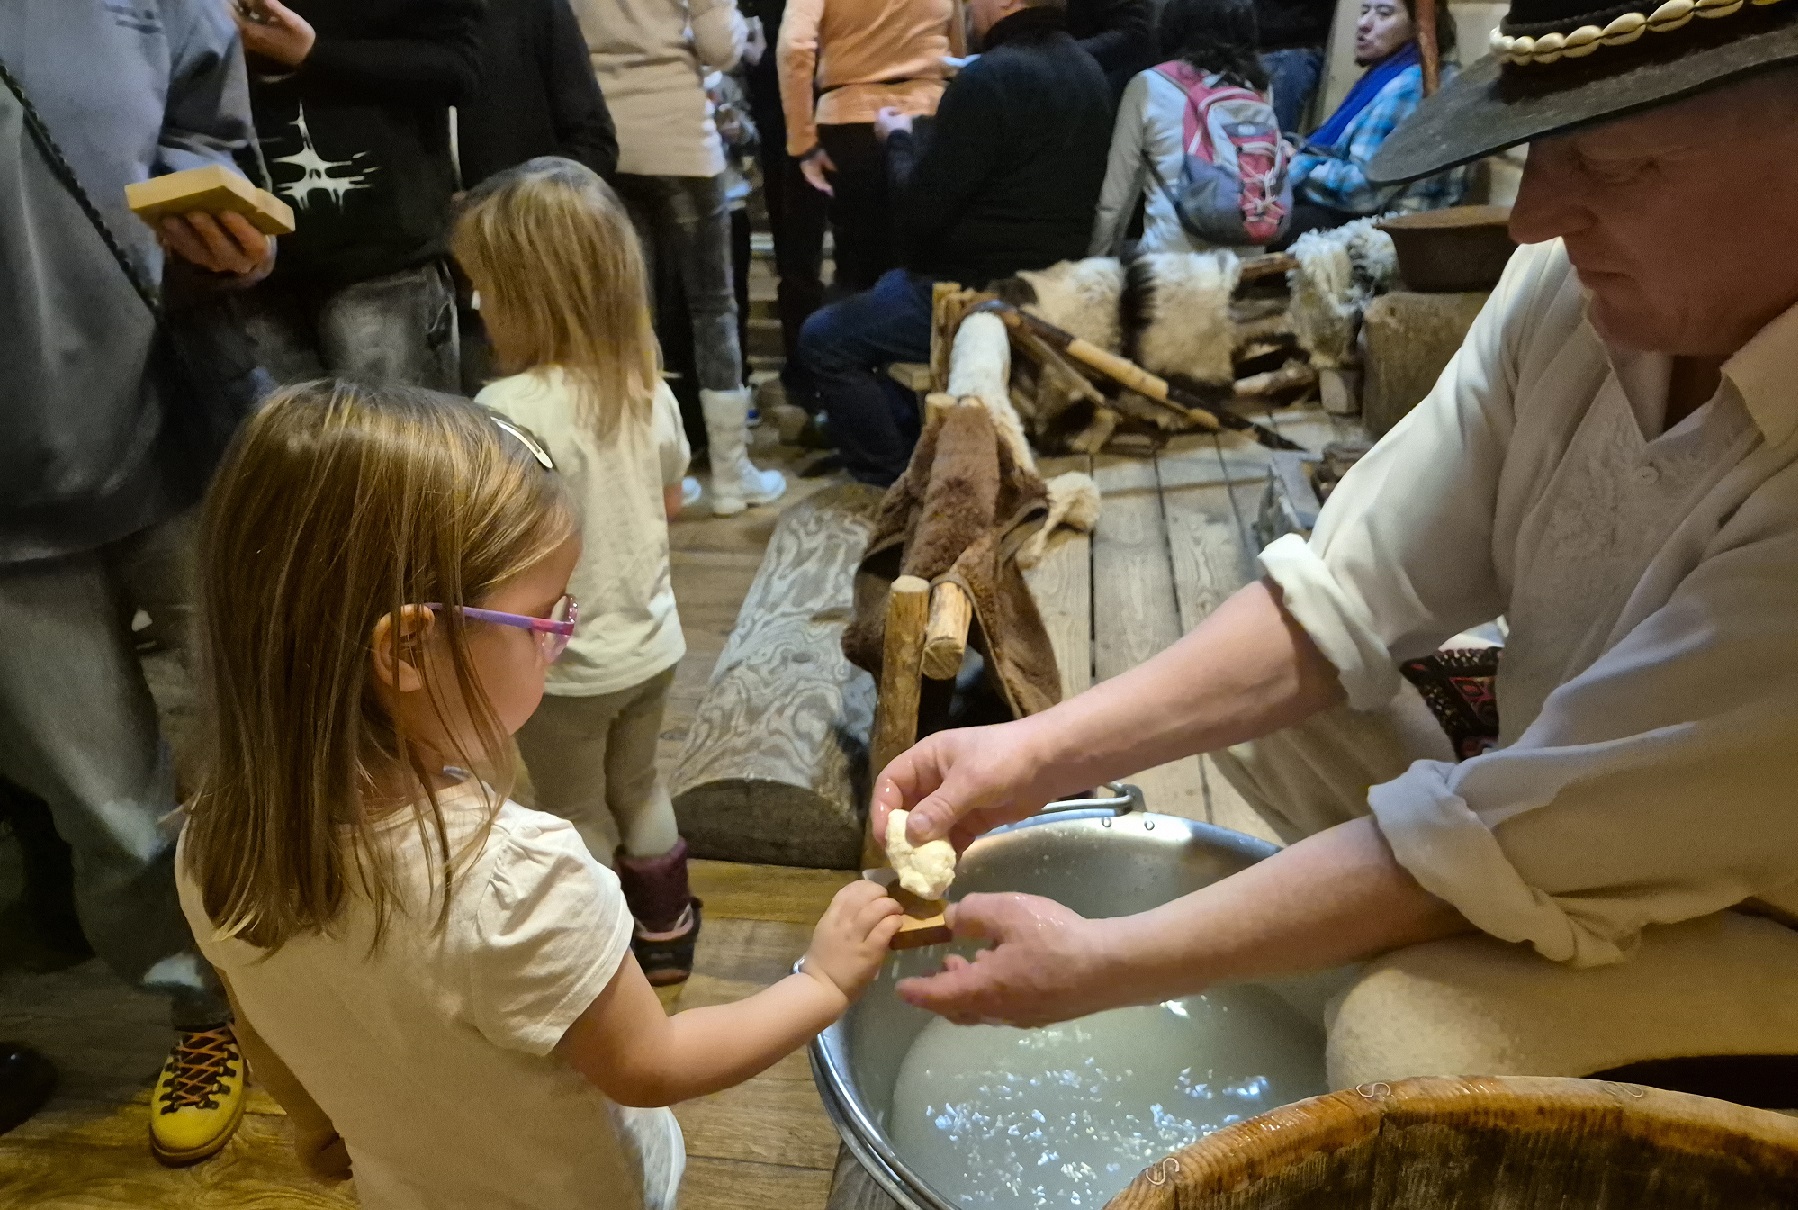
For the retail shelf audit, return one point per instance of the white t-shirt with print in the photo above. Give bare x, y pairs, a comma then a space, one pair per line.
629, 629
433, 1054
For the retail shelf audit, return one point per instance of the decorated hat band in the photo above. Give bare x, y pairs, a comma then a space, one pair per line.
1621, 31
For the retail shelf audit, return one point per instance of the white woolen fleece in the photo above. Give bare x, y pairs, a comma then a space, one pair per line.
925, 870
1073, 502
1082, 297
1185, 326
1338, 272
980, 368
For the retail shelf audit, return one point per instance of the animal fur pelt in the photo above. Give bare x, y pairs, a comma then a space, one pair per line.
1078, 296
1176, 315
1074, 503
960, 512
980, 368
1339, 271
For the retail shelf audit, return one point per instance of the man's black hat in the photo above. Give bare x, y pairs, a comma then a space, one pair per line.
1559, 64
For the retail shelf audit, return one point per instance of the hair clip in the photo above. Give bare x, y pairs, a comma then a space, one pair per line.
529, 442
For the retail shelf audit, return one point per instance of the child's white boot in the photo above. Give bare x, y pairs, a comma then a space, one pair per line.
736, 482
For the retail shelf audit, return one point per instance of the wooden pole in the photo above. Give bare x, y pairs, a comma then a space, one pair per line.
946, 637
1270, 265
896, 709
1428, 47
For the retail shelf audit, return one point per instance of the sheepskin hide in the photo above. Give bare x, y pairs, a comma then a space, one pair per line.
960, 512
1176, 315
980, 368
1078, 296
1074, 503
1339, 271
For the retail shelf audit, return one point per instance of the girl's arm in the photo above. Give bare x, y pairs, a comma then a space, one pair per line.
631, 1050
671, 500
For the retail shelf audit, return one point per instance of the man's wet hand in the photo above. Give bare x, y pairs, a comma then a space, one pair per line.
1047, 964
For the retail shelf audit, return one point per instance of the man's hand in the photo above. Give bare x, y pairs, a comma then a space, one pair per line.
1047, 964
889, 120
756, 45
962, 783
221, 243
814, 166
278, 33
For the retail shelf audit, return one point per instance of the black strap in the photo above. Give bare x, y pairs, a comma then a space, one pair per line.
64, 172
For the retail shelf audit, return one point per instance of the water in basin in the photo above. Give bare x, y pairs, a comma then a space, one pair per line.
1067, 1116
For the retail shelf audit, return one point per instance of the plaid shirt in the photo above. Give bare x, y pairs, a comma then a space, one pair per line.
1335, 176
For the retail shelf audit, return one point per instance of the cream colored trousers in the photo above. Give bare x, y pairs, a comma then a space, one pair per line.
592, 760
1722, 985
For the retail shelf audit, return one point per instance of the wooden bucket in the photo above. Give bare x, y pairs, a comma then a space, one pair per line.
1483, 1143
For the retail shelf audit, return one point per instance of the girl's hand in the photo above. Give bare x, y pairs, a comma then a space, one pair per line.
851, 939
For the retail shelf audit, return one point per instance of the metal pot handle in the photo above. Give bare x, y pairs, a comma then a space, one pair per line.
1123, 800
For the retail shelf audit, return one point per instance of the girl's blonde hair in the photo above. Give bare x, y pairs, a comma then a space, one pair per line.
560, 273
338, 505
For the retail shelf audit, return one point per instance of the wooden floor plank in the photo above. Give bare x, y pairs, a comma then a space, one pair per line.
765, 1120
1062, 585
1136, 612
765, 892
738, 1185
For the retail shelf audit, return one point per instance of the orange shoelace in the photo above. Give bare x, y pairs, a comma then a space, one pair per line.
202, 1062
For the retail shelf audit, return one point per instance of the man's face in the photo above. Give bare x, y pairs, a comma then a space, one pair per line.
1679, 220
1385, 26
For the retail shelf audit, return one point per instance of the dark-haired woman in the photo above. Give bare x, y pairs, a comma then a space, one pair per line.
1210, 39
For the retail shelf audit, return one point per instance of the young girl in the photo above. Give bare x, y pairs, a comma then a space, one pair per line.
435, 982
560, 275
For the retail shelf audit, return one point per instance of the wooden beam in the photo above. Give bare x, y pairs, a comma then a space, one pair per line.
896, 709
946, 636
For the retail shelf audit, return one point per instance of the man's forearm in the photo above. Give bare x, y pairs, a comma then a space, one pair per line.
1246, 671
1334, 898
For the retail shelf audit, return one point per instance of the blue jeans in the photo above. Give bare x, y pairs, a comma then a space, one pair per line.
848, 346
1293, 76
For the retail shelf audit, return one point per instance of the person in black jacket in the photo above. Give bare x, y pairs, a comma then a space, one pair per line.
352, 101
1007, 179
1293, 34
1119, 34
538, 95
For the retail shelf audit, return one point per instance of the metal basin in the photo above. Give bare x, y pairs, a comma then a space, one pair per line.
1101, 857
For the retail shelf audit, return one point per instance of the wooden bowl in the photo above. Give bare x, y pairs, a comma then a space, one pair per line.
1460, 250
1483, 1143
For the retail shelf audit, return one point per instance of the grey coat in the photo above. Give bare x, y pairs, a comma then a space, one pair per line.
129, 89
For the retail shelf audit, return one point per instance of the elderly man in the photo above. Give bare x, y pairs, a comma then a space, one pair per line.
1611, 463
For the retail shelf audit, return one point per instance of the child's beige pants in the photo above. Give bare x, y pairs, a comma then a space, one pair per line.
592, 760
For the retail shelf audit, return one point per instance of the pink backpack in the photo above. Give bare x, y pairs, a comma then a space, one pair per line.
1234, 187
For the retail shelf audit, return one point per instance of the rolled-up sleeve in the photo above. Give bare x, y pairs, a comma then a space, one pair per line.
1654, 787
1402, 555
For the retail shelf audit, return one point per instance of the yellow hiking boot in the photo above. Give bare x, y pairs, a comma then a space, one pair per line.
199, 1097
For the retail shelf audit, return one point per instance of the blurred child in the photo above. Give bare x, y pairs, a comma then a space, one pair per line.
435, 982
552, 253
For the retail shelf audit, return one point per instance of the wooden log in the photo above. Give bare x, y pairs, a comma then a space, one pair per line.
896, 710
1270, 265
1428, 49
1272, 328
1251, 310
773, 769
936, 403
946, 636
1290, 377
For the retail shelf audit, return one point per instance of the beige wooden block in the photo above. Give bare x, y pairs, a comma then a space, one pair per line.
213, 189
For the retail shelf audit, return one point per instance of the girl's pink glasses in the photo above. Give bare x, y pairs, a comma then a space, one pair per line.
553, 632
